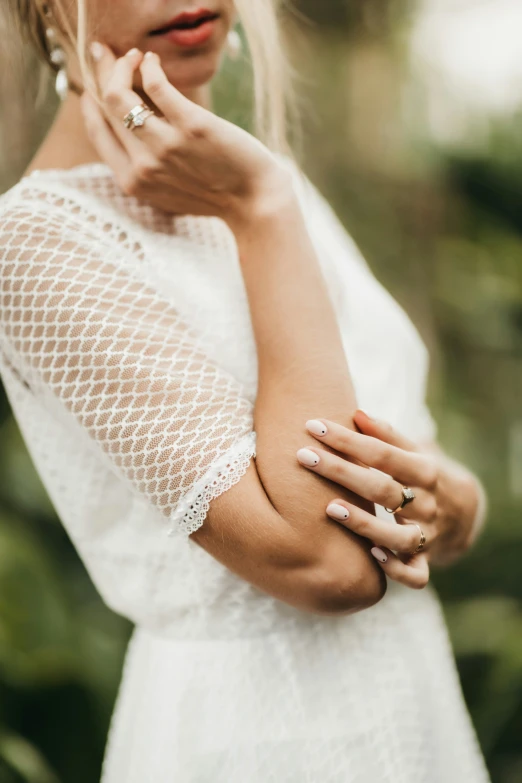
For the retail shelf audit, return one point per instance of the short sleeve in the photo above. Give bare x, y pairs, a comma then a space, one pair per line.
103, 346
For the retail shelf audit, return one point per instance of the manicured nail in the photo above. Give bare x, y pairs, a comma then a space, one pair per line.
96, 50
379, 554
316, 427
132, 52
148, 55
337, 511
308, 458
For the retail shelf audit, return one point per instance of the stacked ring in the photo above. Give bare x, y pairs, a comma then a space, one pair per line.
422, 540
137, 116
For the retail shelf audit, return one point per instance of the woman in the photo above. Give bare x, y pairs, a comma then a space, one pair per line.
175, 301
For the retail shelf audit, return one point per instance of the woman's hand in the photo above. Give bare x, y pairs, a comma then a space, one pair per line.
187, 160
445, 501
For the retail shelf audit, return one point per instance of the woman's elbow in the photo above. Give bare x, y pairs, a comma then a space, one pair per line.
361, 585
330, 577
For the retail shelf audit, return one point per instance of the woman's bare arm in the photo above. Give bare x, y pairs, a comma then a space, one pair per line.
193, 162
302, 370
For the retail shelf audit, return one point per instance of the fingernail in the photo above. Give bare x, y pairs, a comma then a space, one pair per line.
132, 52
148, 55
308, 458
361, 410
378, 554
96, 50
316, 427
337, 511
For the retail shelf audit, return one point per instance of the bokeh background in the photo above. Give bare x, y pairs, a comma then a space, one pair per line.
412, 127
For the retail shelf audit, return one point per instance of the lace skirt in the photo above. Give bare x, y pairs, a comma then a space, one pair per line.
368, 698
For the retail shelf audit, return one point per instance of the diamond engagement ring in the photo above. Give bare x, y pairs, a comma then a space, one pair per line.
137, 116
407, 496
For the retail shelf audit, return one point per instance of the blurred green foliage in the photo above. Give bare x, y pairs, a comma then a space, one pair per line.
442, 229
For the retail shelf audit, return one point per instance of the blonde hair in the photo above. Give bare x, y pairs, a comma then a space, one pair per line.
273, 99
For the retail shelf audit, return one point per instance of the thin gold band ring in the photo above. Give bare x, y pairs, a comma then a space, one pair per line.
422, 539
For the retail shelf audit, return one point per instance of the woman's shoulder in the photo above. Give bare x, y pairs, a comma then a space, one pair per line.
52, 192
83, 202
323, 221
50, 219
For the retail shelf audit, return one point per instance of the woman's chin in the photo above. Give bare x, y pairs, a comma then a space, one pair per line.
190, 74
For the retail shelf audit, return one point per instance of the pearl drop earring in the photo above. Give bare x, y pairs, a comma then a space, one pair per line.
58, 59
234, 45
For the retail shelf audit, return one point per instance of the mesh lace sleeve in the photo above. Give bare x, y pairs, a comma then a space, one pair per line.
83, 329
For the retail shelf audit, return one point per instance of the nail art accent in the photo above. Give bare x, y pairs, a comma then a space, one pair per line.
316, 427
379, 554
337, 511
96, 50
308, 458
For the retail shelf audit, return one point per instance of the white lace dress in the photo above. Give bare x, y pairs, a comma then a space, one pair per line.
127, 353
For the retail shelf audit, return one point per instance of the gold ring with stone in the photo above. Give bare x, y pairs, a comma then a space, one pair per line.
407, 496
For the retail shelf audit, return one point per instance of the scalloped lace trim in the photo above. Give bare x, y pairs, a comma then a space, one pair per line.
191, 511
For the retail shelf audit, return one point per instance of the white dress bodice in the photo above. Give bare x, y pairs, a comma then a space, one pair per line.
128, 356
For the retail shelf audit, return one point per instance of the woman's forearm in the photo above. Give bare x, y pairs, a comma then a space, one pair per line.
303, 372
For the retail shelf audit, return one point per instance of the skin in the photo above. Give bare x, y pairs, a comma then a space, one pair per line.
272, 527
444, 507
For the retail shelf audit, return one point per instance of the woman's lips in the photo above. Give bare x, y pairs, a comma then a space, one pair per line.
191, 36
189, 29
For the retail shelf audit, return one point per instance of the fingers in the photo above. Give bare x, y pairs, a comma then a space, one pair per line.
103, 59
103, 139
171, 103
407, 467
118, 84
373, 485
115, 78
382, 430
404, 538
145, 146
414, 573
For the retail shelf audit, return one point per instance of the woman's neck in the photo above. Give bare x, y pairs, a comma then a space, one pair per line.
67, 144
